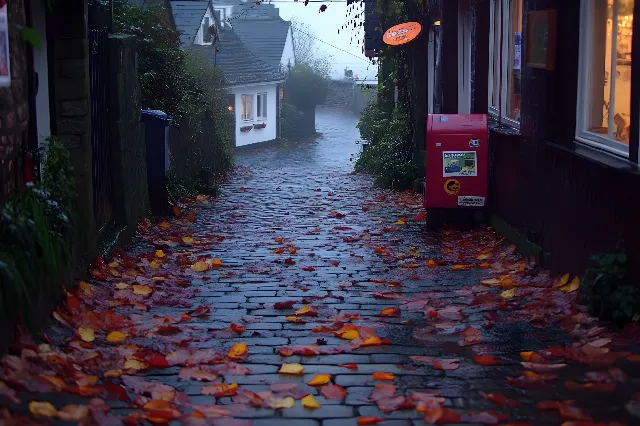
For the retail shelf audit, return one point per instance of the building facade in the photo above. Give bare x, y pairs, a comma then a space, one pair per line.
556, 78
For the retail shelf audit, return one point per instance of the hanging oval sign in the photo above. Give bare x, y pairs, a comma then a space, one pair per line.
402, 33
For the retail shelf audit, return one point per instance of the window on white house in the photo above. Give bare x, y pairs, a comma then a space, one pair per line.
604, 103
206, 33
246, 107
505, 50
261, 106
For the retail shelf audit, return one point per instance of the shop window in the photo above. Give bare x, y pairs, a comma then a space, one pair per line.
246, 107
505, 52
604, 91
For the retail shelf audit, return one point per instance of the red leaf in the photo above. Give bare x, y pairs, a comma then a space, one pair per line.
485, 359
498, 399
284, 305
332, 391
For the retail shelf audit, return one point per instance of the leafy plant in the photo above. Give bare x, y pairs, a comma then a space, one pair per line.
291, 118
35, 256
607, 291
388, 155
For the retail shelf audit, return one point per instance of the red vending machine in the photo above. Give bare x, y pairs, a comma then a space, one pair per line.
457, 160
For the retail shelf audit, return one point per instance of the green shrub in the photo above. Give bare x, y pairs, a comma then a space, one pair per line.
607, 290
35, 260
388, 155
291, 119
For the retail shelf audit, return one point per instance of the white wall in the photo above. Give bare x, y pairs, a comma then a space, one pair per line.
200, 36
256, 135
40, 65
288, 53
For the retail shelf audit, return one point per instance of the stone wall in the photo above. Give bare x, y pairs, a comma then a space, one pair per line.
340, 94
127, 137
71, 115
14, 106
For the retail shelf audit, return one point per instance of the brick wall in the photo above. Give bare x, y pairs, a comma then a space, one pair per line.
14, 106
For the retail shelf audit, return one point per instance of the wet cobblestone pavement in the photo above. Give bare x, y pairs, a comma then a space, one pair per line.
294, 227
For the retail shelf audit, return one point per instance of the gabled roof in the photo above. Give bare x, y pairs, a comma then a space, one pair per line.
188, 18
239, 64
262, 31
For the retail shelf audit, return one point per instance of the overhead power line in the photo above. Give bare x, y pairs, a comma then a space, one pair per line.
297, 28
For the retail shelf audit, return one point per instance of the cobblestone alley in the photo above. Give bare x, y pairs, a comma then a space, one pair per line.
331, 282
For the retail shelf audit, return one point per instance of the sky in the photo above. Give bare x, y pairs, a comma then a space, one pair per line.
345, 47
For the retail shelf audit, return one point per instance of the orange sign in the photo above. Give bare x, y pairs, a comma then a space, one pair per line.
402, 33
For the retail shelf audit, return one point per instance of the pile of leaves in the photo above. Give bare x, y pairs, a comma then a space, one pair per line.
389, 153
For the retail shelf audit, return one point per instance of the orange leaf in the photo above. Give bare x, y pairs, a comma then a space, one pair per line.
390, 312
238, 351
364, 421
485, 359
306, 310
220, 390
141, 290
353, 367
430, 263
237, 328
116, 337
319, 380
379, 375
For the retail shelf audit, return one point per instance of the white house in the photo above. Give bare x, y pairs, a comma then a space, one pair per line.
253, 47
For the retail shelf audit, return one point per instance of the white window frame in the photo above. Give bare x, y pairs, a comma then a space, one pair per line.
504, 19
243, 107
261, 106
585, 82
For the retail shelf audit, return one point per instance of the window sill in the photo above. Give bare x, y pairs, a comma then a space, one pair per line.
502, 128
599, 157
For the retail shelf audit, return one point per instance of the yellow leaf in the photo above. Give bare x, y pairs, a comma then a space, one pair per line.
319, 380
87, 334
562, 281
287, 402
291, 318
165, 225
116, 337
42, 409
141, 290
86, 288
154, 264
572, 286
238, 351
122, 286
350, 335
200, 266
304, 310
187, 240
159, 253
483, 256
310, 402
400, 222
508, 294
113, 374
291, 369
493, 282
133, 364
216, 263
56, 381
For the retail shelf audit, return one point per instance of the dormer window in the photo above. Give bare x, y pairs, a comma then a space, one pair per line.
206, 30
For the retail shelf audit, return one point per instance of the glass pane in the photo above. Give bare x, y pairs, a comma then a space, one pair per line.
515, 58
243, 107
259, 106
622, 81
497, 48
264, 105
611, 103
249, 107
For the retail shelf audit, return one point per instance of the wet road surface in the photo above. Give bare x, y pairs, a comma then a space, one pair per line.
294, 227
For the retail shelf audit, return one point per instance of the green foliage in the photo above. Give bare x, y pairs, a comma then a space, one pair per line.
185, 86
35, 238
388, 155
291, 119
607, 290
306, 87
